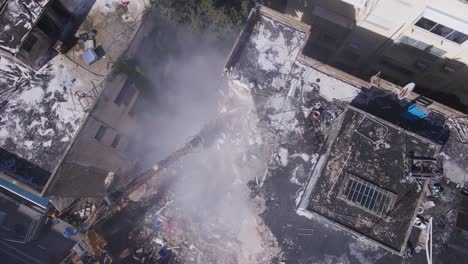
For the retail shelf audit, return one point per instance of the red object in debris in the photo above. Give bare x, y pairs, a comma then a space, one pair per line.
125, 3
316, 115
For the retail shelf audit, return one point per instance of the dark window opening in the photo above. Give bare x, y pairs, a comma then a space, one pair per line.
100, 133
125, 95
441, 30
116, 141
29, 42
457, 37
422, 46
425, 23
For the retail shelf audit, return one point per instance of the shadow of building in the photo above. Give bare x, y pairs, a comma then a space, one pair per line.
364, 41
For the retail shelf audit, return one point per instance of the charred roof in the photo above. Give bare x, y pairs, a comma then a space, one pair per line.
17, 18
365, 178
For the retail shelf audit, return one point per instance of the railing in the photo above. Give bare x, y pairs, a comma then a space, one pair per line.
89, 98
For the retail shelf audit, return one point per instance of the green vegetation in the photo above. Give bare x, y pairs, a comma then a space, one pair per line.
219, 16
134, 71
129, 67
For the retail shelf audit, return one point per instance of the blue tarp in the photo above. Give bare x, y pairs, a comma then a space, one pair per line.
415, 112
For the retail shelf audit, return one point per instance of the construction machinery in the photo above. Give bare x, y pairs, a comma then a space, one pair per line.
113, 206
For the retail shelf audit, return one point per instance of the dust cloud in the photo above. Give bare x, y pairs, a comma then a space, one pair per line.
454, 172
210, 194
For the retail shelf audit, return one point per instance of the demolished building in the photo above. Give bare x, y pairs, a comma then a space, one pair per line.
33, 31
65, 129
361, 182
373, 145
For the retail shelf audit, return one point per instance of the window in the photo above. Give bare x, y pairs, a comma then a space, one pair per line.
100, 133
116, 141
426, 24
366, 195
422, 46
29, 42
441, 30
125, 95
457, 37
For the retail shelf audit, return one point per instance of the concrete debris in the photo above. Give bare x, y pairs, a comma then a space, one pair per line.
426, 167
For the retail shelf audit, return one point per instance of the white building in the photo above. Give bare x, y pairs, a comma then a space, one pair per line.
423, 41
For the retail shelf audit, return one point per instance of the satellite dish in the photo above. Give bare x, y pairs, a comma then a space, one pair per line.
406, 91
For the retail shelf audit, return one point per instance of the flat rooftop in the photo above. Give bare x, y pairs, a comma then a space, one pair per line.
268, 55
17, 18
363, 185
40, 114
42, 111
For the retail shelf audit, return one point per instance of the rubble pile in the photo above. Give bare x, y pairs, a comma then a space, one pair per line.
205, 214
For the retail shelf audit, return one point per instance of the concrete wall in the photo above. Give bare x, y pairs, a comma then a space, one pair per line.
97, 157
57, 19
117, 121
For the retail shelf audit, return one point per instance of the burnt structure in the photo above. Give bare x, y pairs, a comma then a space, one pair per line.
33, 30
362, 184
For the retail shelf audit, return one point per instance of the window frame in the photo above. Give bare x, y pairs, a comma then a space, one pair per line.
423, 45
115, 141
435, 26
125, 97
101, 132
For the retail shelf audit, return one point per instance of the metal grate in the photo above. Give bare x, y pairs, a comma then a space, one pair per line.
366, 195
29, 42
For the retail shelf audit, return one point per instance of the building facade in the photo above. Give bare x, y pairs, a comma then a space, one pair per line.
425, 42
33, 31
102, 146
